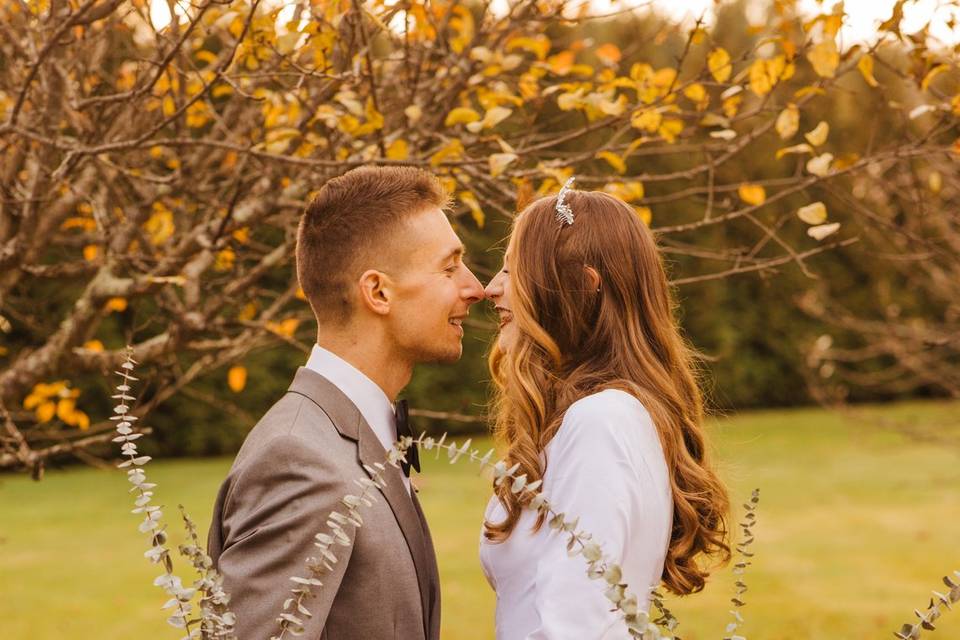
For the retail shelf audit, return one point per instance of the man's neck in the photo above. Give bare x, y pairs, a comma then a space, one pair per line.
372, 357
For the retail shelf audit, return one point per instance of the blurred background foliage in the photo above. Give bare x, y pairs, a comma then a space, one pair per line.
754, 333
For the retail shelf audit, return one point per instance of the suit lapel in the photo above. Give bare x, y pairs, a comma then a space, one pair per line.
348, 420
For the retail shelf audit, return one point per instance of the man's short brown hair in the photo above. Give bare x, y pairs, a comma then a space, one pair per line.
344, 223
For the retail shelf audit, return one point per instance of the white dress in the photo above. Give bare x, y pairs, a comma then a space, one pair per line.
605, 465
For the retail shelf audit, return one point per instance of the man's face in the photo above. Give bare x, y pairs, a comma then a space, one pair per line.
433, 289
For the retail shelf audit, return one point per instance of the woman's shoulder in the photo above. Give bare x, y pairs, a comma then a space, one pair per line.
607, 405
610, 415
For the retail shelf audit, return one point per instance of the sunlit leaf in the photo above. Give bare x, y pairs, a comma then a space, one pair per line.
813, 213
821, 231
237, 378
499, 162
933, 73
116, 304
753, 194
818, 135
788, 122
718, 62
646, 119
461, 115
398, 150
797, 148
865, 66
613, 160
645, 214
670, 129
825, 58
820, 165
476, 211
609, 53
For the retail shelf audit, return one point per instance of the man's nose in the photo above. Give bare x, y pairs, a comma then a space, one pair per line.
473, 292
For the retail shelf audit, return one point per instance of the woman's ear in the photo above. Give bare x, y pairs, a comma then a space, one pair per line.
375, 288
592, 277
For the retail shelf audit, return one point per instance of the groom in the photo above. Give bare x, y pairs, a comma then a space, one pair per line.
383, 271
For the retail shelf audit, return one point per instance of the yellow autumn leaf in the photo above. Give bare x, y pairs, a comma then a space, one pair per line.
753, 194
933, 73
398, 150
169, 106
539, 45
81, 420
670, 129
476, 211
813, 213
159, 226
116, 304
626, 191
461, 115
491, 118
46, 411
935, 181
609, 53
93, 345
224, 260
237, 378
249, 312
821, 231
824, 58
818, 135
820, 165
645, 214
697, 94
718, 62
499, 162
865, 66
90, 252
646, 119
788, 122
760, 82
65, 410
453, 150
285, 328
797, 148
613, 160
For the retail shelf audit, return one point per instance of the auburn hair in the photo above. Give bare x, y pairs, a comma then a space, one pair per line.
340, 227
575, 341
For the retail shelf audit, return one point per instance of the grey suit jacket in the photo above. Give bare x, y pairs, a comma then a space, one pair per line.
291, 472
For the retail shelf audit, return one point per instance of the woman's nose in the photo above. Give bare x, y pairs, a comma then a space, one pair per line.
493, 289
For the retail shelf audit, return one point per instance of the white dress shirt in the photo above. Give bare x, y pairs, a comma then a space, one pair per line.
605, 465
369, 398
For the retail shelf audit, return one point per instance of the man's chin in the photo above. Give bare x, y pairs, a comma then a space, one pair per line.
448, 355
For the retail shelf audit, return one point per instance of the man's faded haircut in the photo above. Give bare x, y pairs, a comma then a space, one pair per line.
346, 224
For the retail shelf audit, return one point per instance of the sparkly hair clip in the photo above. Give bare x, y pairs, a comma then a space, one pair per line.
564, 212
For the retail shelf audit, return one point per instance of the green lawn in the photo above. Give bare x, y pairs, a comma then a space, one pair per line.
857, 524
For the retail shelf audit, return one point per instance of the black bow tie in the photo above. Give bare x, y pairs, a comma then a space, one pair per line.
403, 429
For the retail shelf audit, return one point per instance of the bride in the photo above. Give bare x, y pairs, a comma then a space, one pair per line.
596, 395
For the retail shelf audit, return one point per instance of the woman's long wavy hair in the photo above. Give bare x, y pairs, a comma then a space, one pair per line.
575, 340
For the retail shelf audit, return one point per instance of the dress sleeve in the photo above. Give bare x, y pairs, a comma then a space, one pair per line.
590, 477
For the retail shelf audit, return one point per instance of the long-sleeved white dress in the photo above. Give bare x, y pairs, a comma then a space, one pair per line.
606, 465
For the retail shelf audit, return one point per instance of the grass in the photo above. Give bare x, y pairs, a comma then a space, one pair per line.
857, 524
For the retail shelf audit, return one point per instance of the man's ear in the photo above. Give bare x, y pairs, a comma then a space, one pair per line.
376, 291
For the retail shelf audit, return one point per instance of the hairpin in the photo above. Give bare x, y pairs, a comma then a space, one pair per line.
564, 212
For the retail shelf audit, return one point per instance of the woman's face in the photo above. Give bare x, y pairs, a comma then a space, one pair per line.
499, 293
